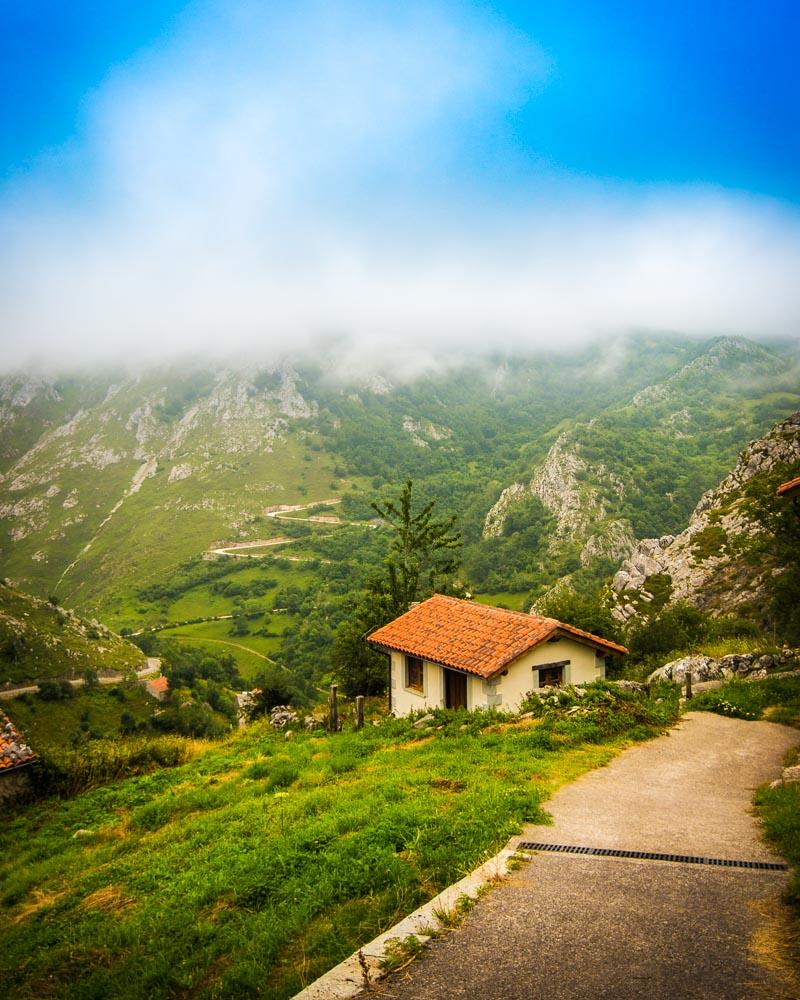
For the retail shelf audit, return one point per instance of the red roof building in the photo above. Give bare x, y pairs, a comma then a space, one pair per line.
14, 752
447, 652
790, 489
16, 758
158, 687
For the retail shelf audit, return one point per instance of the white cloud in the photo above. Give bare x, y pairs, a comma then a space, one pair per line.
262, 182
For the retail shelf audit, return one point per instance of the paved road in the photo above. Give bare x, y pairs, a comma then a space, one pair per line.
152, 666
572, 927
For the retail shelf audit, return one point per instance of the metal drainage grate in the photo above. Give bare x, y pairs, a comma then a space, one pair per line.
687, 859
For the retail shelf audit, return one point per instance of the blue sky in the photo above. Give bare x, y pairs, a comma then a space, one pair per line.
182, 172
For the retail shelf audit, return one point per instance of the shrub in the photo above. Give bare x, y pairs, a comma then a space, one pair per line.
68, 772
678, 626
55, 691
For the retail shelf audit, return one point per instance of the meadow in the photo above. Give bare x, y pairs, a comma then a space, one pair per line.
264, 861
95, 713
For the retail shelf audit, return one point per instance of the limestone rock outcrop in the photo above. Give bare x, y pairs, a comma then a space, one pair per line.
710, 563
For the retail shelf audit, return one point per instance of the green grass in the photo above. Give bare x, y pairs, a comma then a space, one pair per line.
504, 599
96, 710
263, 862
200, 601
776, 698
248, 663
779, 809
251, 652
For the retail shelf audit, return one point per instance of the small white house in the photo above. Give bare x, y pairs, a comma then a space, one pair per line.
449, 653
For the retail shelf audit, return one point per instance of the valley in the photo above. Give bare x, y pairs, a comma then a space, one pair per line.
119, 494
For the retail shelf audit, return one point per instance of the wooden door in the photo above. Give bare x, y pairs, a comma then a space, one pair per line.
455, 689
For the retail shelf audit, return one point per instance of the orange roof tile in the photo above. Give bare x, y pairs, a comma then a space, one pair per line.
476, 638
14, 752
789, 489
159, 684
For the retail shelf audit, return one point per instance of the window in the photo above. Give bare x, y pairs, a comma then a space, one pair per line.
414, 673
551, 674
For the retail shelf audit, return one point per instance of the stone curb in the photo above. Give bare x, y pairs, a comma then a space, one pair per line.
347, 979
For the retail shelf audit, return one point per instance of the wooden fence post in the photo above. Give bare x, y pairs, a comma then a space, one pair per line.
333, 710
359, 711
688, 684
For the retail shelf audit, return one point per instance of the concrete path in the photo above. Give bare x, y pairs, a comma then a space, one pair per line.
572, 927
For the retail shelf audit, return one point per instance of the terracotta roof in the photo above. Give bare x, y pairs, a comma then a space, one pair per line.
159, 684
14, 752
476, 638
792, 488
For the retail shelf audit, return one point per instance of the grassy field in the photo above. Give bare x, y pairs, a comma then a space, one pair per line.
264, 861
97, 711
202, 601
252, 653
779, 809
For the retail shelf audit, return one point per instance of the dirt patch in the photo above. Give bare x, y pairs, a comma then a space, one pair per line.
409, 746
447, 785
775, 946
41, 901
108, 899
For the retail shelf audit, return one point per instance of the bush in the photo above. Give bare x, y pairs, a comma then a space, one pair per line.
68, 772
741, 699
55, 691
593, 712
678, 626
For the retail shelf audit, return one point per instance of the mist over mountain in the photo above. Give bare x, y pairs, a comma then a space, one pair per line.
554, 463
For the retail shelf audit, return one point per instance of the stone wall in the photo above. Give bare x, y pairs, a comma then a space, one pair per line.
14, 784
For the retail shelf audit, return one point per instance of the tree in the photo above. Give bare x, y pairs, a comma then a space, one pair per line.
422, 558
90, 678
276, 687
421, 554
587, 611
358, 667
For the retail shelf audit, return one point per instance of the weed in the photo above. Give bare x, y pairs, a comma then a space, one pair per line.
400, 953
452, 917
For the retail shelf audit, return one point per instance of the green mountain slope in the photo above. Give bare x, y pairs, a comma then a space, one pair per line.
154, 472
639, 467
112, 484
40, 641
738, 552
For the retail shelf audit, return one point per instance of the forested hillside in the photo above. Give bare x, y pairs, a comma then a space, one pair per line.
115, 490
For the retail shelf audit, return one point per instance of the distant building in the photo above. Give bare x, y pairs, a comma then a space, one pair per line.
790, 489
16, 758
158, 687
449, 653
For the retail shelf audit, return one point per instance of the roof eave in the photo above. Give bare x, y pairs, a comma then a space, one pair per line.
595, 641
18, 767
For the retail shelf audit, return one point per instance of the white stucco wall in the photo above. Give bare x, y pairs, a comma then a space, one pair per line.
584, 666
505, 692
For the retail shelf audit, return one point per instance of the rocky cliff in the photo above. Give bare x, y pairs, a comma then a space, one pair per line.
577, 495
722, 560
638, 468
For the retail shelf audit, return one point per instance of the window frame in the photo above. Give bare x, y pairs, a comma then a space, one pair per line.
414, 663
